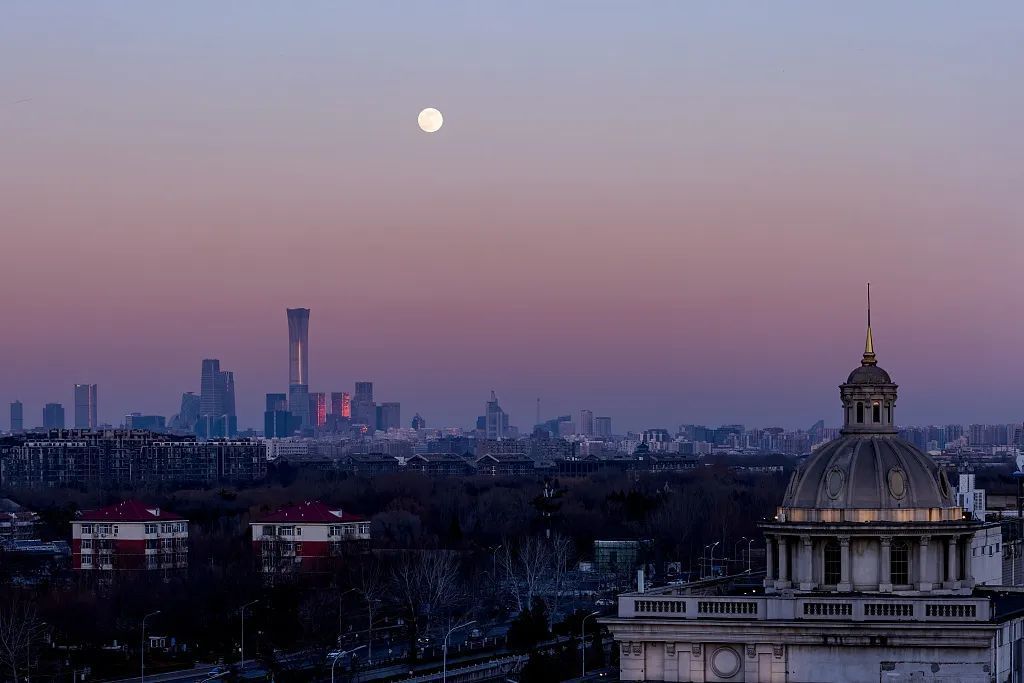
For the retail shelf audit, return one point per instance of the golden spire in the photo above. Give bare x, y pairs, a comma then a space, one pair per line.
869, 342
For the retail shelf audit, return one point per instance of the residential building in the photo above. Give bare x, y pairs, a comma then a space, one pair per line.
152, 423
308, 537
17, 523
129, 536
85, 406
439, 464
504, 465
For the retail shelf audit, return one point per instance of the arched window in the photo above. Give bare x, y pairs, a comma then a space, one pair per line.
860, 412
833, 564
899, 563
876, 412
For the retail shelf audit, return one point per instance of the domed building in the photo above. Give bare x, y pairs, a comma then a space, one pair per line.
870, 576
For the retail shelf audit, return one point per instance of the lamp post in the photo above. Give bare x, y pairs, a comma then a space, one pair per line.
711, 559
736, 546
340, 655
702, 554
583, 644
750, 542
142, 653
444, 649
241, 666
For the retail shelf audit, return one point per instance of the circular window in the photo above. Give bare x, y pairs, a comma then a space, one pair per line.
897, 483
834, 482
725, 662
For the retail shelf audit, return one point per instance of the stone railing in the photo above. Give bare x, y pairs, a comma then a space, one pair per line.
655, 605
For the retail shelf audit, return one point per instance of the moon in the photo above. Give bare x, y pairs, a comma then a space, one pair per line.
430, 120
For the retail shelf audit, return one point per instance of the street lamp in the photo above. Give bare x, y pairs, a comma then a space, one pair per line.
711, 560
583, 644
142, 654
444, 649
241, 666
734, 548
702, 554
340, 655
750, 542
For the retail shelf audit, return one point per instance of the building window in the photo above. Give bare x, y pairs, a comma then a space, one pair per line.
860, 412
285, 531
87, 559
899, 563
876, 412
833, 564
268, 530
86, 543
87, 528
151, 528
364, 528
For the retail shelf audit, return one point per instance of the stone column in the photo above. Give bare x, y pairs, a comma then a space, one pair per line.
845, 570
885, 565
806, 577
924, 564
966, 568
952, 570
783, 581
769, 556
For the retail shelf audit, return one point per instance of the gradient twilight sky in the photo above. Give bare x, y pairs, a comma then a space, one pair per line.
661, 211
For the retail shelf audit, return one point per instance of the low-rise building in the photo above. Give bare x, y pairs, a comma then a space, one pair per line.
307, 537
504, 465
129, 536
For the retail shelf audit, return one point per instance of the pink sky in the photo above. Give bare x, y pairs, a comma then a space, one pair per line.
665, 217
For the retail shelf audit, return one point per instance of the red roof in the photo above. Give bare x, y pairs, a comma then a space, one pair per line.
130, 511
311, 511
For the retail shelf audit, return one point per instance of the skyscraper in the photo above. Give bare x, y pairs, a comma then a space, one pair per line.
318, 408
216, 401
276, 418
363, 410
389, 416
586, 424
17, 417
85, 406
188, 414
496, 419
603, 426
341, 404
298, 346
53, 416
298, 366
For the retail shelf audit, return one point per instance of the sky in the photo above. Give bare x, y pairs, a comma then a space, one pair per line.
663, 212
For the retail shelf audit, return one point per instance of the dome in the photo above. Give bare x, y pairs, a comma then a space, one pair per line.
869, 374
869, 472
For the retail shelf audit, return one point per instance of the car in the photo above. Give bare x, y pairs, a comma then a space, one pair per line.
604, 602
216, 671
476, 634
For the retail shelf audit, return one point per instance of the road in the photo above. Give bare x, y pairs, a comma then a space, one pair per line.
198, 673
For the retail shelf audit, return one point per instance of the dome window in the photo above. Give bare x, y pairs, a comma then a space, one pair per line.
876, 412
899, 563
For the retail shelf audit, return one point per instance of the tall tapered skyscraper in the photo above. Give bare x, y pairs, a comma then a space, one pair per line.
298, 366
85, 406
298, 346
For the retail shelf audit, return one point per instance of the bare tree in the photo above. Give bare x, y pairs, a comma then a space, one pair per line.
368, 582
525, 567
562, 558
426, 587
19, 626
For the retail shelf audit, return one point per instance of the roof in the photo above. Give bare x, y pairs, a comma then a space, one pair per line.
130, 511
310, 512
868, 471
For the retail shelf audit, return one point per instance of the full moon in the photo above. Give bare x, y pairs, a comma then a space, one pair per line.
430, 120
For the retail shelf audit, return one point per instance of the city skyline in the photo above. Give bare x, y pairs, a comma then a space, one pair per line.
645, 214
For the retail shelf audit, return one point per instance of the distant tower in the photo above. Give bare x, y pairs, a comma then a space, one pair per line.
298, 346
53, 416
17, 417
85, 406
418, 422
586, 426
216, 401
363, 409
496, 419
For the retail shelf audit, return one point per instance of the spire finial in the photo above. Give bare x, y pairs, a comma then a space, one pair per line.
869, 342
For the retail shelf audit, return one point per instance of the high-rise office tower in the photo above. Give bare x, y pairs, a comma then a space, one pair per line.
389, 416
276, 418
363, 409
53, 416
496, 419
188, 414
318, 409
298, 346
586, 423
603, 426
17, 417
418, 422
341, 405
85, 406
216, 401
298, 367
